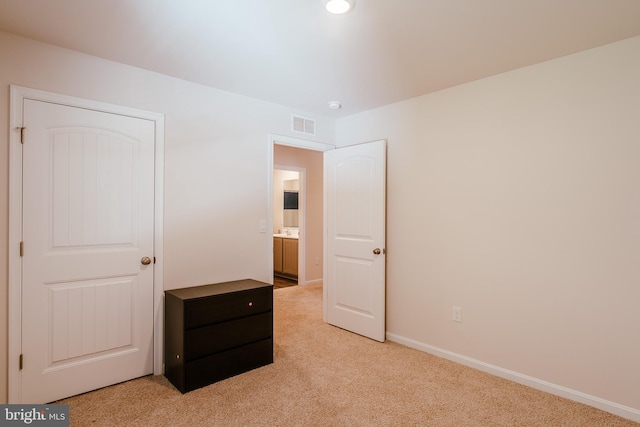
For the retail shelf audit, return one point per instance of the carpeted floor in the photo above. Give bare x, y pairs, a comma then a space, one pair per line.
325, 376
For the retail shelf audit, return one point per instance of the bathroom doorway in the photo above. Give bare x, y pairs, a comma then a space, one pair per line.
288, 218
305, 158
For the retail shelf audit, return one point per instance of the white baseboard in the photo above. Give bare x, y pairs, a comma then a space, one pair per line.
578, 396
312, 282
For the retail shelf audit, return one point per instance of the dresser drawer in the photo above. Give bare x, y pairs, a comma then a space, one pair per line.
219, 366
204, 311
222, 336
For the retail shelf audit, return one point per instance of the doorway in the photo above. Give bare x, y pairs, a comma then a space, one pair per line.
288, 224
306, 159
353, 204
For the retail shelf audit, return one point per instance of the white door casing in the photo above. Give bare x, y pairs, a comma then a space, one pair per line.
355, 207
88, 305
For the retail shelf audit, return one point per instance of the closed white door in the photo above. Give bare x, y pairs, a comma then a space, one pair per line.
88, 221
355, 206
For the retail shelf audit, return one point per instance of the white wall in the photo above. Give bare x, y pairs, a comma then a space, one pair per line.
216, 149
517, 198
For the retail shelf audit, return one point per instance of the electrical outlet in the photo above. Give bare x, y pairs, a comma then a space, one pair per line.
457, 314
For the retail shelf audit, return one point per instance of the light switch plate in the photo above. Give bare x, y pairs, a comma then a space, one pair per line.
457, 314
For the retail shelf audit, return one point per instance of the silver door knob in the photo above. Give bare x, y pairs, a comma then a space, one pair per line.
145, 260
376, 251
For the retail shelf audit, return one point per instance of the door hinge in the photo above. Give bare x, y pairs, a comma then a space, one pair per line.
20, 362
21, 248
21, 135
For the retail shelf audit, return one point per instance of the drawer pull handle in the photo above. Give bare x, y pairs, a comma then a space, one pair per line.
250, 304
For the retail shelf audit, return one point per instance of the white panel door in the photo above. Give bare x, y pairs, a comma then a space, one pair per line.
355, 205
88, 194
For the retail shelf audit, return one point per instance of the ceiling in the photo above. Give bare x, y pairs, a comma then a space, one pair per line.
293, 52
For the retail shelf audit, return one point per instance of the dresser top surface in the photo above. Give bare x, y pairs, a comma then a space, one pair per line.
217, 289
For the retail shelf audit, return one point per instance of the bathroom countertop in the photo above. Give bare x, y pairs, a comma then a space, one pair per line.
286, 236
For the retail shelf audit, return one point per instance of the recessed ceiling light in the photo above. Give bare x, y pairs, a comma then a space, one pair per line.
335, 105
340, 6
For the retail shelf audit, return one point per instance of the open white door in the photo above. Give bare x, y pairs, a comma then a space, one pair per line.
355, 202
88, 218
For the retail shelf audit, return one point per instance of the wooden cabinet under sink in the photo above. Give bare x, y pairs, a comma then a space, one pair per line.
285, 257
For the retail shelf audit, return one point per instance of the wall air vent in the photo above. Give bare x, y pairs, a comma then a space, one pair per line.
302, 124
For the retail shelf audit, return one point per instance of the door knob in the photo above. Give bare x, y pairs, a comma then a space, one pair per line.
145, 260
376, 251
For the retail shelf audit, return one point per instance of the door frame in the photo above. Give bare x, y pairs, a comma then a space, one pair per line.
274, 139
17, 95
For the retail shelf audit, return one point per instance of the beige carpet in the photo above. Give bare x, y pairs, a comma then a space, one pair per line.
325, 376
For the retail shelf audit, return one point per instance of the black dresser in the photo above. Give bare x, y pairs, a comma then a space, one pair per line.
214, 332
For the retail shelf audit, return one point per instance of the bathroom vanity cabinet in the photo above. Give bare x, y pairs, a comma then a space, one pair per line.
214, 332
285, 257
